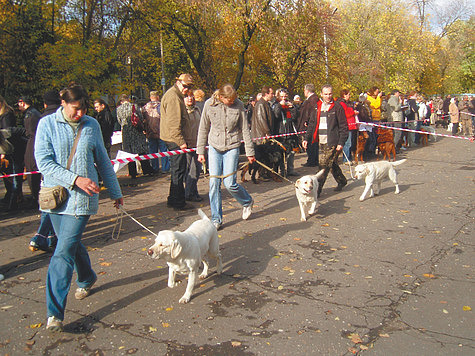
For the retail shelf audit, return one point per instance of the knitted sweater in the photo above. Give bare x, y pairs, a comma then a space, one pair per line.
54, 140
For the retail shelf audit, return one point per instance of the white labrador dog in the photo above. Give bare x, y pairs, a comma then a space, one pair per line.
184, 252
306, 190
374, 173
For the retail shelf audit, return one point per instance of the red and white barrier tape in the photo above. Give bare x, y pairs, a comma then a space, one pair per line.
416, 131
158, 154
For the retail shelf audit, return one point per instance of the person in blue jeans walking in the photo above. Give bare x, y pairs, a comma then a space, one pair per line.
223, 125
151, 116
45, 238
55, 138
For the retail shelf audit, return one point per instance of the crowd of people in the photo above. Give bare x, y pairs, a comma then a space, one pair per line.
153, 128
325, 127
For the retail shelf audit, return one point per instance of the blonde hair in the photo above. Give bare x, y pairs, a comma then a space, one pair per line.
4, 107
199, 95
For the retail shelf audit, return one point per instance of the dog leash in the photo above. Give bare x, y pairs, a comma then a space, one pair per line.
120, 212
271, 170
349, 163
223, 176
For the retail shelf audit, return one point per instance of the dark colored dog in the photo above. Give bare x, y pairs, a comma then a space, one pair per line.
360, 145
270, 154
386, 143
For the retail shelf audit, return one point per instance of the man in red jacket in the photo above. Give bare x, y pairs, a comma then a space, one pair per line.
328, 121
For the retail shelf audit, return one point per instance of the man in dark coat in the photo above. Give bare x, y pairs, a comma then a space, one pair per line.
262, 119
328, 120
13, 142
31, 119
308, 106
106, 121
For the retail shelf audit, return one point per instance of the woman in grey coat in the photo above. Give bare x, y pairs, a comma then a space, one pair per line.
223, 125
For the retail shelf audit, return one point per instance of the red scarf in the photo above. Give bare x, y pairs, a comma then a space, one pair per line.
286, 109
319, 110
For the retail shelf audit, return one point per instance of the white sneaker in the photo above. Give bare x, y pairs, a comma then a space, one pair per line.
82, 293
217, 225
247, 210
54, 324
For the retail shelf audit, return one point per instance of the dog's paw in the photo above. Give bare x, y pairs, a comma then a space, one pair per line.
311, 211
203, 275
361, 198
184, 300
303, 218
172, 285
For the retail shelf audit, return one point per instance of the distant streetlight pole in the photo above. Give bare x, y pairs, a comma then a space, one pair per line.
163, 65
325, 45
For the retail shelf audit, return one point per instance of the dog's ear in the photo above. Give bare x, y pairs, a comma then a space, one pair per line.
175, 249
297, 183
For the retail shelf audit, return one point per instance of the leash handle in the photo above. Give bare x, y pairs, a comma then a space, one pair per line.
118, 221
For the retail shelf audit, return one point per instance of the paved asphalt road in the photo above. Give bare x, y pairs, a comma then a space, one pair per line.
392, 275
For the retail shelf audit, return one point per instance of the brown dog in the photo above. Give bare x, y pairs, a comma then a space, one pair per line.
386, 143
424, 138
360, 144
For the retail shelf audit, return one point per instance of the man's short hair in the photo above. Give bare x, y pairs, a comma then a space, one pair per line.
328, 86
310, 88
265, 90
394, 92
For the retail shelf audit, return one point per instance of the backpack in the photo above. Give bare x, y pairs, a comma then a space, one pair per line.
135, 119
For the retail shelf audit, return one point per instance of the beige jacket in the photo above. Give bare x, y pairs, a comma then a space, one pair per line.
174, 122
454, 113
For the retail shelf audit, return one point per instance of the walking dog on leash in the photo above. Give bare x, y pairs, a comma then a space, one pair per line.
374, 173
184, 252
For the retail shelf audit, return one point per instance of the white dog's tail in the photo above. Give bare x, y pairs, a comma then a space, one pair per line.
202, 214
397, 163
320, 173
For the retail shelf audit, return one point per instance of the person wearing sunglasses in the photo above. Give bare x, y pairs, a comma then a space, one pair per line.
174, 128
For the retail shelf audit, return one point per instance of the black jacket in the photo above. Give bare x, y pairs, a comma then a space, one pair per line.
32, 117
106, 121
337, 125
7, 120
306, 109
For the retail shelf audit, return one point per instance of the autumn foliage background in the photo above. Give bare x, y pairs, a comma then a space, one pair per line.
113, 46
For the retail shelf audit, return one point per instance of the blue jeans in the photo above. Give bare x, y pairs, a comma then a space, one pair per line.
45, 237
156, 145
224, 163
347, 148
70, 255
